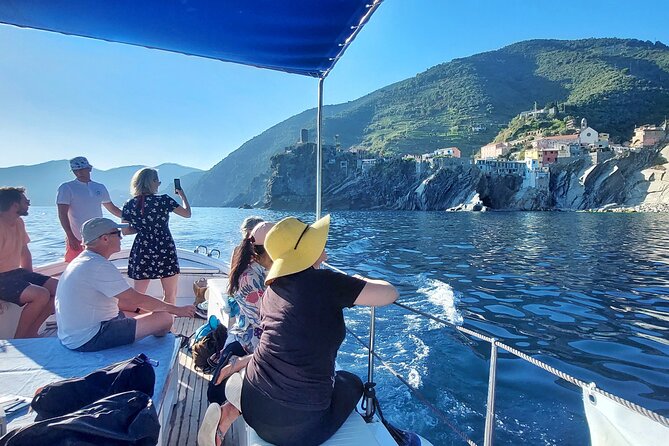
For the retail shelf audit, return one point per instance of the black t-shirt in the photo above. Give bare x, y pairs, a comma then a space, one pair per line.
303, 327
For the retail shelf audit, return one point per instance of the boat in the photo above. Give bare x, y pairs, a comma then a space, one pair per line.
277, 36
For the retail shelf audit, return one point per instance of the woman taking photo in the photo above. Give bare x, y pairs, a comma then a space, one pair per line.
288, 389
153, 254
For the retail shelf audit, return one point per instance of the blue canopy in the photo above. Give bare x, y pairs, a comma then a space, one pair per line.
305, 37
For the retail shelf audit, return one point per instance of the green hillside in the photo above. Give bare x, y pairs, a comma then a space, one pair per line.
616, 84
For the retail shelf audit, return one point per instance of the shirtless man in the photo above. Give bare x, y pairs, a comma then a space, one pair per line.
79, 200
92, 297
18, 283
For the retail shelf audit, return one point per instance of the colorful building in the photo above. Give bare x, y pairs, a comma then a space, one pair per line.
648, 135
495, 150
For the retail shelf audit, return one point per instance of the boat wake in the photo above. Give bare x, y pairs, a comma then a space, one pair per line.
441, 295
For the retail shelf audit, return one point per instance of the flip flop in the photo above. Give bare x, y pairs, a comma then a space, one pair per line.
206, 435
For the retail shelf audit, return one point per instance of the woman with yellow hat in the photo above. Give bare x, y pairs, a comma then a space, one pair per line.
288, 389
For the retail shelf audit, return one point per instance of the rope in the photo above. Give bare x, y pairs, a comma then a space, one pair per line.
415, 391
560, 374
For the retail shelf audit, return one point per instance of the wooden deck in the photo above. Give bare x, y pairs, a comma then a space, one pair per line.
192, 400
192, 387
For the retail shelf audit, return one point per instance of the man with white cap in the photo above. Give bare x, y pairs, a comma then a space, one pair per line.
92, 296
79, 200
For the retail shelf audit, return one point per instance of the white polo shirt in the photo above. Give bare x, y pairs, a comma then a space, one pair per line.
86, 297
84, 200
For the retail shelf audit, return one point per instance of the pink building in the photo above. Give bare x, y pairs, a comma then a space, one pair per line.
548, 156
648, 136
495, 150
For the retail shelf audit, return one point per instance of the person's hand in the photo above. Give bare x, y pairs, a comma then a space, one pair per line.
227, 370
180, 192
75, 244
185, 311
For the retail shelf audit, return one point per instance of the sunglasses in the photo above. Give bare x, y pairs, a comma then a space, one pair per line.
117, 233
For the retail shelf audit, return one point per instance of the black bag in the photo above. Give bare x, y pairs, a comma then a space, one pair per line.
216, 393
209, 345
69, 395
123, 419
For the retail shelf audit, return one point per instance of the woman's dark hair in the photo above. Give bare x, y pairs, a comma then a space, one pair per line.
241, 259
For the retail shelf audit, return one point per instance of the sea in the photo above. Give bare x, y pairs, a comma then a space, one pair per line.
586, 293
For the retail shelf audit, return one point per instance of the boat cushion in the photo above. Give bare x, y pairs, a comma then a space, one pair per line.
27, 364
354, 432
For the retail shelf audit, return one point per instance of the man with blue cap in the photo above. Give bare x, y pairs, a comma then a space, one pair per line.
79, 200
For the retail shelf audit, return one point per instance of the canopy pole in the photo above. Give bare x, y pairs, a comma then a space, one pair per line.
319, 148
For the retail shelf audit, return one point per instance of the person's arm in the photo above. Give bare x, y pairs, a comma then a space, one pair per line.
129, 230
65, 223
376, 293
233, 367
111, 207
130, 300
26, 258
184, 209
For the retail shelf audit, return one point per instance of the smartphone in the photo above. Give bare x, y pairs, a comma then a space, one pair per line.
177, 184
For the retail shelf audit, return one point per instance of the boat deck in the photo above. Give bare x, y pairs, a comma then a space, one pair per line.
192, 400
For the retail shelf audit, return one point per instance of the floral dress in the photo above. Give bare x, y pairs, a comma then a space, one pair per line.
245, 305
153, 254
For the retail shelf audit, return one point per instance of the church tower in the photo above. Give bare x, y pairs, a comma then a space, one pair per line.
584, 124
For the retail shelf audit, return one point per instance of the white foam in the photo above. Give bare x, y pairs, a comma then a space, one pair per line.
442, 294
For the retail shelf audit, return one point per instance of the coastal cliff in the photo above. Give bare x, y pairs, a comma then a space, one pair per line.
616, 83
637, 180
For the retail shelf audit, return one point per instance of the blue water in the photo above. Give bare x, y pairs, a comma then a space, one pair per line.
586, 293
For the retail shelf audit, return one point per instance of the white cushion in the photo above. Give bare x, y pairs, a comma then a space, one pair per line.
354, 432
9, 319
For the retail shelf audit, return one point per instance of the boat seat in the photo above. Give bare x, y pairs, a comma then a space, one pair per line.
354, 432
28, 364
9, 319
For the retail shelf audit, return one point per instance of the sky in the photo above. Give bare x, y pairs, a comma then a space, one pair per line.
64, 96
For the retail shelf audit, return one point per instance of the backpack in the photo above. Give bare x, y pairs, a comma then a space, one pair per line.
208, 345
203, 331
69, 395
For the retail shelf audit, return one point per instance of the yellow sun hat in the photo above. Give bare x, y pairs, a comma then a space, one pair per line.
295, 246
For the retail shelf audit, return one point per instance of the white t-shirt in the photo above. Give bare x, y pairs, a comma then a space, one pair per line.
86, 296
84, 200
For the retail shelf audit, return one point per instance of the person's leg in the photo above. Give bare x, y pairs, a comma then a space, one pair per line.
157, 324
347, 391
229, 414
37, 306
141, 285
70, 253
170, 285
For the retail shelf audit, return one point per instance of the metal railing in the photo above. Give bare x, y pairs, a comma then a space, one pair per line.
494, 345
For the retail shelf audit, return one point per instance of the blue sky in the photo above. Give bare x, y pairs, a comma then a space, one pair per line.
63, 96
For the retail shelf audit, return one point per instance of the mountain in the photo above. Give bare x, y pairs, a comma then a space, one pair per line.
42, 180
615, 83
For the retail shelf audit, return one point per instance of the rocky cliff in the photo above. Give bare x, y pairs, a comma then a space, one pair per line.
636, 180
615, 83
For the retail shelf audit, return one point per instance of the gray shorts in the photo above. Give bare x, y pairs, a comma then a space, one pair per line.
114, 332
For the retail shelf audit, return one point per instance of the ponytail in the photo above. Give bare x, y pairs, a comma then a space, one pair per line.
241, 259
